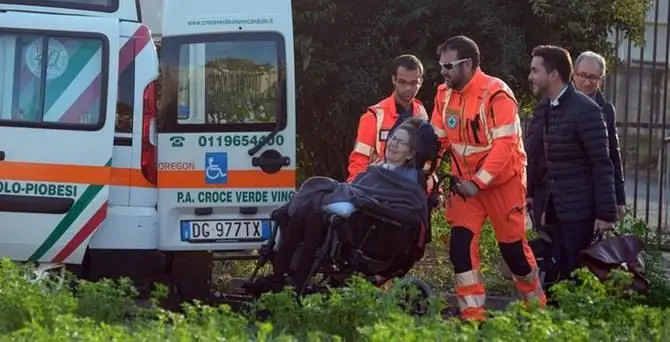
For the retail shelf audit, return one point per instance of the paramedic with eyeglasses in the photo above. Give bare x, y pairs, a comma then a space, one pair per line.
476, 118
376, 123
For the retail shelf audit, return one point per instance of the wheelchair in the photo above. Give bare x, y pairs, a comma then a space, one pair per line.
380, 247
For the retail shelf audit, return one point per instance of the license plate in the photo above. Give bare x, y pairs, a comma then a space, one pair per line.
225, 230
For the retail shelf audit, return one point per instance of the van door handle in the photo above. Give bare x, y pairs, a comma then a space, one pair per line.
281, 161
271, 161
2, 155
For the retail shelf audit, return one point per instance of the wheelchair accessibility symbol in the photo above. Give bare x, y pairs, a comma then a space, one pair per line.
216, 168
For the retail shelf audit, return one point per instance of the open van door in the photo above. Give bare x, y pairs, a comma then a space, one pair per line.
57, 116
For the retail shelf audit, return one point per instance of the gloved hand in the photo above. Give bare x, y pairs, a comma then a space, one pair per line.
467, 188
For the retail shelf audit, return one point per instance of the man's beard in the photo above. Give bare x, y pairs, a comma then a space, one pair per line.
540, 93
456, 84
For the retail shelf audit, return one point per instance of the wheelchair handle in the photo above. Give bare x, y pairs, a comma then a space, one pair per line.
453, 181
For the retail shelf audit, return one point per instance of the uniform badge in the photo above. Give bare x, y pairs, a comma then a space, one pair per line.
451, 121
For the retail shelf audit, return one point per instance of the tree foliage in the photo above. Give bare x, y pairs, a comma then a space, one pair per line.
344, 48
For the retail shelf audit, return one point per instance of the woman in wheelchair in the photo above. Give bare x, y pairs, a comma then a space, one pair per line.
376, 225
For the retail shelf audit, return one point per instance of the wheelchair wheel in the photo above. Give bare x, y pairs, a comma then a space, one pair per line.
414, 295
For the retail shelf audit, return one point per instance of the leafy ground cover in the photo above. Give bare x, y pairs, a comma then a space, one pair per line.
59, 308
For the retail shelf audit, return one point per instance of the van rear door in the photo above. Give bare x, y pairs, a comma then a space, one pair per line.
58, 85
222, 94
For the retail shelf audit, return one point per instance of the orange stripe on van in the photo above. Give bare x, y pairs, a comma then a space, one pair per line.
236, 179
61, 173
105, 175
67, 173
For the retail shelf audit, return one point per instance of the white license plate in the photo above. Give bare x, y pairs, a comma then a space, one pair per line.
225, 230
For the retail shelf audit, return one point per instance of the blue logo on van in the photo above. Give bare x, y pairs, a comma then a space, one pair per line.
216, 167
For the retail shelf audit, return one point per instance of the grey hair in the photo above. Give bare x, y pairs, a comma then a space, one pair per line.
592, 55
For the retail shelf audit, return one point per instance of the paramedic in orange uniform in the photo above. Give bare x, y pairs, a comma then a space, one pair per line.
476, 118
377, 121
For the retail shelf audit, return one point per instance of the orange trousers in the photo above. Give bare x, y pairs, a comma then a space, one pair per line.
505, 206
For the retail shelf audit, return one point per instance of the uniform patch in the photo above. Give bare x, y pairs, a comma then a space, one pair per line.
452, 121
383, 134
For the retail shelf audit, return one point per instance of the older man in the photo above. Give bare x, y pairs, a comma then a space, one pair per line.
590, 69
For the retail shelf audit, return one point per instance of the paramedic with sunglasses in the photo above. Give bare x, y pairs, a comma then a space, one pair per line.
476, 118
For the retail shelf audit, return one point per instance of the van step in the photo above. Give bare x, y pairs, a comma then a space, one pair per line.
235, 255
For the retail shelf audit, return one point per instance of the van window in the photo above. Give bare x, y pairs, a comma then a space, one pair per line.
125, 100
94, 5
61, 88
225, 82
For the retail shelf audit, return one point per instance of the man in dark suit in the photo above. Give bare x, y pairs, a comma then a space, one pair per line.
590, 70
578, 183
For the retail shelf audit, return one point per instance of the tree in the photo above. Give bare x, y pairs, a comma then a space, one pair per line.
344, 48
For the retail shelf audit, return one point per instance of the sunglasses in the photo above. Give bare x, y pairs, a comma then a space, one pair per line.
451, 65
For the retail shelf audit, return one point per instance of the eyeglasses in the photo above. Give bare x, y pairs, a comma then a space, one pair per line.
590, 77
451, 65
396, 140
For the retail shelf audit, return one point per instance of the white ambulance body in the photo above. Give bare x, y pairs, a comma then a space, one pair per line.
97, 171
72, 126
227, 85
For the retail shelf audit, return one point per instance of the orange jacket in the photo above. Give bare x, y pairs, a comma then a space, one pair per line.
373, 129
481, 127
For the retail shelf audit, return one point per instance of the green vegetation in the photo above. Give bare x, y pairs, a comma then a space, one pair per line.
58, 308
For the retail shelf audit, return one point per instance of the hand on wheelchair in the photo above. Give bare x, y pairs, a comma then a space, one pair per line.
466, 188
461, 187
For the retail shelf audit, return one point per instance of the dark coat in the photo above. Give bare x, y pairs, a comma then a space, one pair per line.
537, 165
615, 153
578, 174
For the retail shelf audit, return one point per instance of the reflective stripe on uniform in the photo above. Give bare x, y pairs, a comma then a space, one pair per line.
469, 278
363, 149
380, 121
471, 301
506, 130
464, 291
447, 98
467, 150
440, 132
530, 287
528, 278
483, 116
484, 176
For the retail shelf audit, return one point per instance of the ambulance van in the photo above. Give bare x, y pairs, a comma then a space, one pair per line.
116, 162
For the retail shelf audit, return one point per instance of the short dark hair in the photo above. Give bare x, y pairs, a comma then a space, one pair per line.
464, 47
555, 58
409, 62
